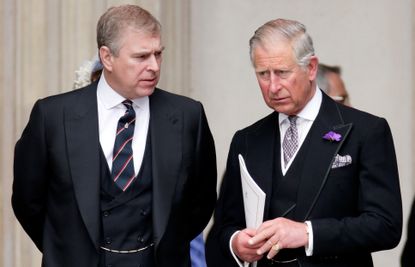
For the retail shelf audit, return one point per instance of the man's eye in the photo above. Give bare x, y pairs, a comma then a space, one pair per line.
141, 57
263, 73
283, 73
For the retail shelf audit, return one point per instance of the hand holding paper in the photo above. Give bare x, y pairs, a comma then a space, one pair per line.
254, 200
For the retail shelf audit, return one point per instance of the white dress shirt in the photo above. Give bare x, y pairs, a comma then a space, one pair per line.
304, 122
110, 110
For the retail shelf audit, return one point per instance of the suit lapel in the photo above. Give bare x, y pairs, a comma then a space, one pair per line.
320, 156
262, 153
166, 125
81, 129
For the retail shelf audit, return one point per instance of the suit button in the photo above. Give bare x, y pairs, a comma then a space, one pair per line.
140, 239
143, 212
106, 213
108, 240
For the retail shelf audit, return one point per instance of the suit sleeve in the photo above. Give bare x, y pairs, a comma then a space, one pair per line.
30, 177
229, 213
377, 222
203, 183
407, 257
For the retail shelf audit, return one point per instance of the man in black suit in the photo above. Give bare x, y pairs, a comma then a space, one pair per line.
118, 173
329, 171
408, 253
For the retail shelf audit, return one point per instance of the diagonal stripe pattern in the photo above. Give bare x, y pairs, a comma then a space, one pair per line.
122, 161
290, 141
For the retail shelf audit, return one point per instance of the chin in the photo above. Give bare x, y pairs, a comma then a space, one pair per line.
146, 91
285, 110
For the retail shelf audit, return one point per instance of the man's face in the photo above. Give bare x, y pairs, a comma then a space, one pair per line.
286, 87
337, 89
135, 71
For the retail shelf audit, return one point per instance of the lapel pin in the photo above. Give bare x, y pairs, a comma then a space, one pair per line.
332, 136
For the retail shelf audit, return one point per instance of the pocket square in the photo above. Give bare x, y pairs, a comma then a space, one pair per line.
341, 161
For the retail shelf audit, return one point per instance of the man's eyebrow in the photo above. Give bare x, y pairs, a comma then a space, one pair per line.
148, 52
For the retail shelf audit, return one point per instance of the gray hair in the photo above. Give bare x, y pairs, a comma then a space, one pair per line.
115, 20
284, 30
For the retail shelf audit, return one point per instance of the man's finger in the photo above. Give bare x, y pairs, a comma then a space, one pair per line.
261, 236
273, 251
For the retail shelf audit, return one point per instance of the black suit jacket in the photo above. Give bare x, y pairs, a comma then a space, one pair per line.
408, 253
354, 210
56, 177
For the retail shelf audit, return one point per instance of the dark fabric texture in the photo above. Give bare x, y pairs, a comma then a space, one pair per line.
57, 186
354, 210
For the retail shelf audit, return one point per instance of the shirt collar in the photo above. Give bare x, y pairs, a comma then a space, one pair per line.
311, 109
110, 98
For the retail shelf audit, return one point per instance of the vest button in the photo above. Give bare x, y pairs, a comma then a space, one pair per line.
108, 240
140, 239
106, 213
143, 212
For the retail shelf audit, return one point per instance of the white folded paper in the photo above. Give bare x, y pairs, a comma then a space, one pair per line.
254, 200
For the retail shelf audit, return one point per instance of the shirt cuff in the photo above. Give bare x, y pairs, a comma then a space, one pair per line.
238, 261
309, 248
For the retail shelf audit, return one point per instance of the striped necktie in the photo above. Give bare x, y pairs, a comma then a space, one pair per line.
122, 162
290, 141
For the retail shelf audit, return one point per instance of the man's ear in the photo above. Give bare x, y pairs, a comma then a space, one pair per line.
312, 68
106, 57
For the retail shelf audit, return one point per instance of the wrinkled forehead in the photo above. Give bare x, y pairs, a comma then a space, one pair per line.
276, 50
271, 43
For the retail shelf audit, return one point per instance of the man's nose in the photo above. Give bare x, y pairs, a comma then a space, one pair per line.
153, 63
275, 83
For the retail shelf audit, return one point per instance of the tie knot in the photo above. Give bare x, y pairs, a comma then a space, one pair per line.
128, 103
129, 115
292, 119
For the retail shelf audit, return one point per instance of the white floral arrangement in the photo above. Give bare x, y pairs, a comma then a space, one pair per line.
83, 74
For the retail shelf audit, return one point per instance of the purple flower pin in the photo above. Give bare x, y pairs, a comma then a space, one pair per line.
332, 136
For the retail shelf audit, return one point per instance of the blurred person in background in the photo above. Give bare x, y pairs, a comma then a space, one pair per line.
329, 81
